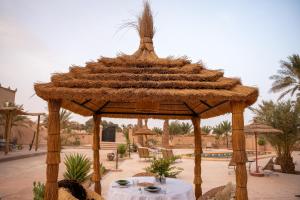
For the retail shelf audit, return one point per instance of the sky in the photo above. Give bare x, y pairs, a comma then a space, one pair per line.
246, 39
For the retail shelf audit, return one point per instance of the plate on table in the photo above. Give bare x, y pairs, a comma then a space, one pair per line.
152, 189
122, 182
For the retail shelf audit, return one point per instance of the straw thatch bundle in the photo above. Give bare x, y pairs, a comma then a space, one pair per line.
259, 128
116, 87
143, 131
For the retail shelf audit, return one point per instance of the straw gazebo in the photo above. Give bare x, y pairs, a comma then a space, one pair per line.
142, 85
259, 128
9, 112
144, 131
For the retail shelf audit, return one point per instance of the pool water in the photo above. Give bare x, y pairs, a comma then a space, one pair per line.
217, 155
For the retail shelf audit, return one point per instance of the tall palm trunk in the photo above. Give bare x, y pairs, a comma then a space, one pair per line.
286, 163
140, 138
166, 134
227, 143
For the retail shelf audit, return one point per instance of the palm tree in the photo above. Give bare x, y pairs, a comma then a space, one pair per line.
186, 128
223, 128
226, 128
157, 130
166, 134
287, 79
218, 130
175, 128
206, 129
125, 131
64, 116
283, 116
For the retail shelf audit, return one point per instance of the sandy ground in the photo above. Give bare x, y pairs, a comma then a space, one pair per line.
16, 177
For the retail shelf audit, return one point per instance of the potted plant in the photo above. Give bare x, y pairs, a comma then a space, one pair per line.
261, 142
110, 156
121, 150
163, 168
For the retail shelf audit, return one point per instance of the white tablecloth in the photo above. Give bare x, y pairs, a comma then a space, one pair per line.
175, 190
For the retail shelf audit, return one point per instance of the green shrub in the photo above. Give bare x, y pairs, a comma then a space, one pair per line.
102, 169
122, 149
261, 141
163, 167
78, 166
38, 191
174, 158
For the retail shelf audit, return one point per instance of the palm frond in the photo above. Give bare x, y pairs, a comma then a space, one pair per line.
287, 79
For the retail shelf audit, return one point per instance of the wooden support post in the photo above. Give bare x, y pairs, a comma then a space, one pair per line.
37, 133
239, 152
8, 122
166, 134
198, 152
96, 148
53, 150
256, 159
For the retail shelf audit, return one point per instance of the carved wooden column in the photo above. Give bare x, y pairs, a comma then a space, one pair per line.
53, 150
198, 152
239, 152
96, 148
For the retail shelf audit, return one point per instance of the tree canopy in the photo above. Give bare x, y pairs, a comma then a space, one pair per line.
287, 79
283, 116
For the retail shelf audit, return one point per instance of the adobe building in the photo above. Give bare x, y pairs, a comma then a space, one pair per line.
7, 95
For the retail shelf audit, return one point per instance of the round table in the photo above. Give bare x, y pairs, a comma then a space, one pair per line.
174, 189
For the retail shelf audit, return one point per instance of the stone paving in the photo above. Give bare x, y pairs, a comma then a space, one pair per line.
16, 177
216, 173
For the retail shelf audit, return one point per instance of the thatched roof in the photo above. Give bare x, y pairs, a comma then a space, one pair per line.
143, 131
144, 85
17, 111
259, 128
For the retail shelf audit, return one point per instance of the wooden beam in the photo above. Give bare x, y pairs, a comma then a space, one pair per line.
214, 106
53, 150
197, 152
37, 133
190, 109
86, 101
103, 106
239, 153
140, 113
83, 106
197, 106
93, 103
111, 109
96, 148
203, 102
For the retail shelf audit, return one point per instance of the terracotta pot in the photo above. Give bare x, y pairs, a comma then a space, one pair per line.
110, 156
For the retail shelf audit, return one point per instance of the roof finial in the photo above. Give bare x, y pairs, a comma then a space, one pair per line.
146, 31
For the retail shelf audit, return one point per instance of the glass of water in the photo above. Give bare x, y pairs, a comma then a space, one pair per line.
164, 188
